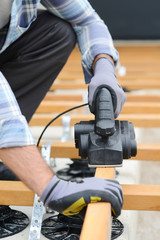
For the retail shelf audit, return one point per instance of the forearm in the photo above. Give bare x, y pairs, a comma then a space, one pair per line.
93, 36
28, 165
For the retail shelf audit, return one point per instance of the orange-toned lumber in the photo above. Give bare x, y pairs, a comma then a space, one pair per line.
138, 120
101, 229
58, 106
145, 151
15, 193
75, 75
131, 97
129, 107
63, 97
136, 197
129, 83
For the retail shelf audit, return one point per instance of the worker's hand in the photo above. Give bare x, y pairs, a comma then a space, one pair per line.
69, 198
104, 76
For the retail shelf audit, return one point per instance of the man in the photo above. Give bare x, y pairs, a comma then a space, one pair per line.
34, 47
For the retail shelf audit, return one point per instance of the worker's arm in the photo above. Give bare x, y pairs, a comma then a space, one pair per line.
95, 43
93, 36
19, 153
17, 146
28, 165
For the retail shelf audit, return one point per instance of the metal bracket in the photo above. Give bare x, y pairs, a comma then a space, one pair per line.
37, 213
121, 70
66, 128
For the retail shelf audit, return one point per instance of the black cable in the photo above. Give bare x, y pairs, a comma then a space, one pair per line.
85, 104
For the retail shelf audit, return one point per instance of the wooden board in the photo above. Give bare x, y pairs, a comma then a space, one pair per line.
15, 193
136, 197
138, 120
129, 107
146, 151
100, 212
131, 97
128, 83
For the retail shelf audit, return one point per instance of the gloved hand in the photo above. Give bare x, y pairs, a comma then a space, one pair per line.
69, 198
104, 76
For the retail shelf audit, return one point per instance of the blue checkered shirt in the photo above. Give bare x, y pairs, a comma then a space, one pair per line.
93, 38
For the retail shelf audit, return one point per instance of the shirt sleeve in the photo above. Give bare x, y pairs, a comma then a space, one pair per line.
92, 34
14, 129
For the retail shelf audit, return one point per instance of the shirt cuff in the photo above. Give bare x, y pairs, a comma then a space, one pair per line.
15, 132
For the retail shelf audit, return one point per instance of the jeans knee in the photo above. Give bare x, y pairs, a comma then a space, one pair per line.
67, 35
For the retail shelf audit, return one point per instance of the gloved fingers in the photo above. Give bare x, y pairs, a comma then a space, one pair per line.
117, 192
116, 188
105, 185
82, 213
116, 204
121, 98
70, 205
116, 209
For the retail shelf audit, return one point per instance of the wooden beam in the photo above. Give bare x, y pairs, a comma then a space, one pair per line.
15, 193
141, 197
100, 212
129, 107
133, 197
138, 120
146, 151
131, 97
58, 106
130, 84
136, 197
132, 75
51, 96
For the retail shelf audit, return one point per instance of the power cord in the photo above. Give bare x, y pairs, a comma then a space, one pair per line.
59, 115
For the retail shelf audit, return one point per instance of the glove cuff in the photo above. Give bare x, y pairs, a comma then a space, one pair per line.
49, 188
104, 65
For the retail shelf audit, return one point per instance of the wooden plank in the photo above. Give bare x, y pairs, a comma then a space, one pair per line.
143, 97
136, 197
145, 152
130, 84
129, 107
51, 96
141, 197
131, 97
100, 211
136, 54
138, 120
148, 152
132, 67
58, 106
74, 75
15, 193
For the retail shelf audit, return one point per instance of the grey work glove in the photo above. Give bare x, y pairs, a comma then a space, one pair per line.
104, 76
69, 198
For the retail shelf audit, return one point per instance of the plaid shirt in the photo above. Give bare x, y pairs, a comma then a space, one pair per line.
93, 38
14, 130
